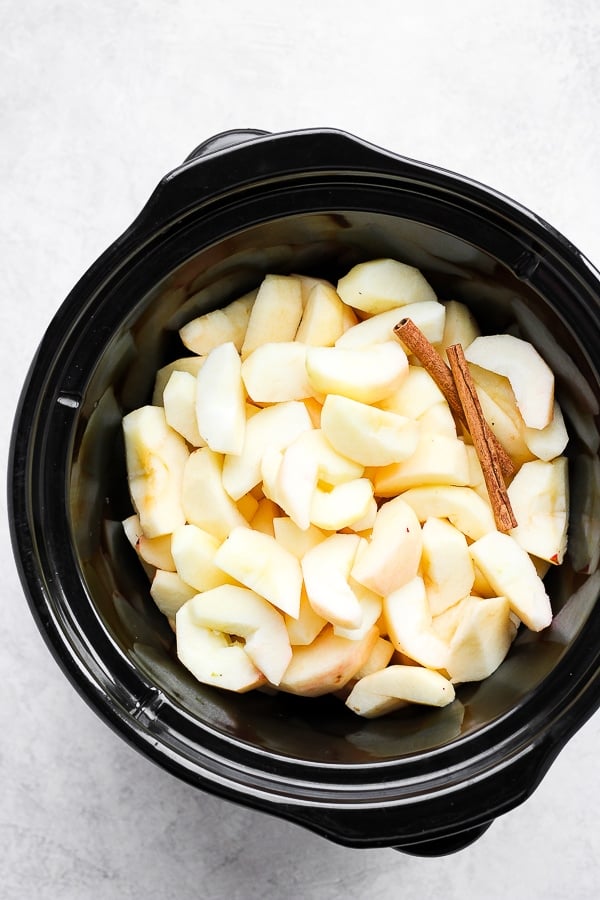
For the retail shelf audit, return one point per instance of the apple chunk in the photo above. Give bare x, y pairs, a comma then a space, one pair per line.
481, 640
205, 502
179, 401
322, 321
261, 564
276, 372
327, 664
512, 574
212, 657
194, 551
204, 333
539, 496
156, 457
382, 284
368, 374
275, 314
370, 436
428, 316
392, 556
530, 376
461, 505
169, 592
221, 400
391, 688
238, 611
446, 565
409, 625
326, 569
154, 551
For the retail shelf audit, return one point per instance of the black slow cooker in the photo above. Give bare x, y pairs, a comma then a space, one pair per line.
244, 204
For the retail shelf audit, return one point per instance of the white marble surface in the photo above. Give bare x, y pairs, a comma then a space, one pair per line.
97, 101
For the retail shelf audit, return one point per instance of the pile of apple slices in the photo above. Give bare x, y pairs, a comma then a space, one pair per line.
312, 517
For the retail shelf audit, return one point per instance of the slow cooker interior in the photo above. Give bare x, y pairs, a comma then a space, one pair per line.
323, 730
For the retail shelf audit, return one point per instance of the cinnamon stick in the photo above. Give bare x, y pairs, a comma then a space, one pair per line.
411, 335
486, 450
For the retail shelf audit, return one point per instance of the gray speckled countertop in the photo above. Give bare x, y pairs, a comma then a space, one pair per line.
97, 101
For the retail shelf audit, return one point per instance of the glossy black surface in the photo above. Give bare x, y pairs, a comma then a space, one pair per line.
313, 202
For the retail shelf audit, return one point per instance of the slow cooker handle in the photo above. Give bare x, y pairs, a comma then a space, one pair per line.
224, 140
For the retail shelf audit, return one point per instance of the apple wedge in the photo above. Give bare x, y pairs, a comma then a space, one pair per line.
549, 442
304, 629
446, 565
194, 551
169, 592
365, 434
437, 460
276, 372
220, 326
392, 556
212, 657
539, 496
205, 501
530, 376
512, 574
265, 514
460, 327
275, 314
342, 505
326, 569
414, 396
189, 364
409, 625
274, 427
371, 605
382, 284
391, 688
481, 640
221, 400
368, 374
327, 664
428, 316
179, 401
295, 539
238, 611
322, 321
257, 561
154, 551
461, 505
156, 457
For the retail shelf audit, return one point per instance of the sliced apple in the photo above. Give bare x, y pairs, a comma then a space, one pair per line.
446, 564
275, 314
512, 574
179, 401
438, 420
539, 496
297, 540
326, 570
193, 552
549, 442
460, 327
382, 284
304, 629
204, 333
509, 428
381, 655
367, 375
234, 610
414, 395
276, 372
264, 516
461, 505
189, 364
327, 664
274, 427
409, 625
154, 551
212, 657
391, 688
481, 640
530, 376
342, 505
428, 316
205, 501
437, 460
156, 457
257, 561
221, 400
371, 605
369, 436
392, 556
169, 592
322, 321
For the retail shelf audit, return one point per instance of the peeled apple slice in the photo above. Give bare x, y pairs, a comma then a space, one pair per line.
390, 688
327, 664
382, 284
369, 436
409, 626
368, 374
326, 570
530, 377
212, 657
221, 400
540, 501
428, 316
481, 640
156, 457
